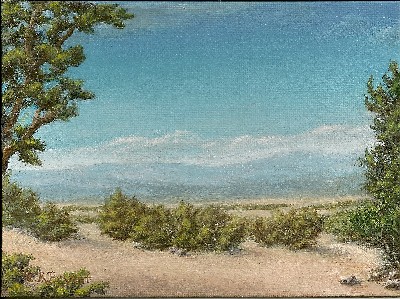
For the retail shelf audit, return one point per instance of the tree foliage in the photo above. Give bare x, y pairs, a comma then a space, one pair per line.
36, 89
376, 222
382, 162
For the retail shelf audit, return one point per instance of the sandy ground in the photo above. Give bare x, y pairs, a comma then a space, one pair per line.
255, 271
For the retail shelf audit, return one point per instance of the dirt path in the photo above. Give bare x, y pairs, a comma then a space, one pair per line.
256, 271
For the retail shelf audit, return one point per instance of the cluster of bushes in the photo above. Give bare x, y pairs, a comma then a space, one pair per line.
207, 228
20, 279
21, 209
295, 229
187, 227
157, 227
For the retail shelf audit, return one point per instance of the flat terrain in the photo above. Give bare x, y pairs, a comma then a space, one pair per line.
254, 271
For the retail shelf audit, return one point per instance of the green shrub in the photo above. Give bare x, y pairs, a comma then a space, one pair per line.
371, 223
154, 229
53, 224
19, 279
119, 215
185, 227
16, 271
21, 208
295, 229
207, 228
71, 284
216, 230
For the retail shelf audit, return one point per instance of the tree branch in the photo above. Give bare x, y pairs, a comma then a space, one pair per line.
67, 35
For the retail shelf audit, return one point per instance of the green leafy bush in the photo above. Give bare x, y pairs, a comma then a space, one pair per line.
53, 224
71, 284
21, 208
372, 223
19, 279
154, 229
185, 227
16, 271
209, 228
119, 215
295, 229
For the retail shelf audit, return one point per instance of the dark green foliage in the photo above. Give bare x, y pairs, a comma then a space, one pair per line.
36, 58
208, 228
382, 162
295, 229
186, 227
19, 279
21, 208
53, 224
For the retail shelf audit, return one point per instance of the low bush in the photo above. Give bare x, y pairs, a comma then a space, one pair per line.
185, 227
15, 272
53, 224
20, 279
71, 284
21, 208
214, 229
119, 215
295, 229
154, 229
372, 223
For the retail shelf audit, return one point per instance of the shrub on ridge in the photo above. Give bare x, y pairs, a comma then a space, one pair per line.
185, 227
119, 215
295, 229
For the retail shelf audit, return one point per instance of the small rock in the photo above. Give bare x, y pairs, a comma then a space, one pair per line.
234, 251
137, 245
182, 253
351, 280
177, 251
394, 275
393, 284
173, 250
